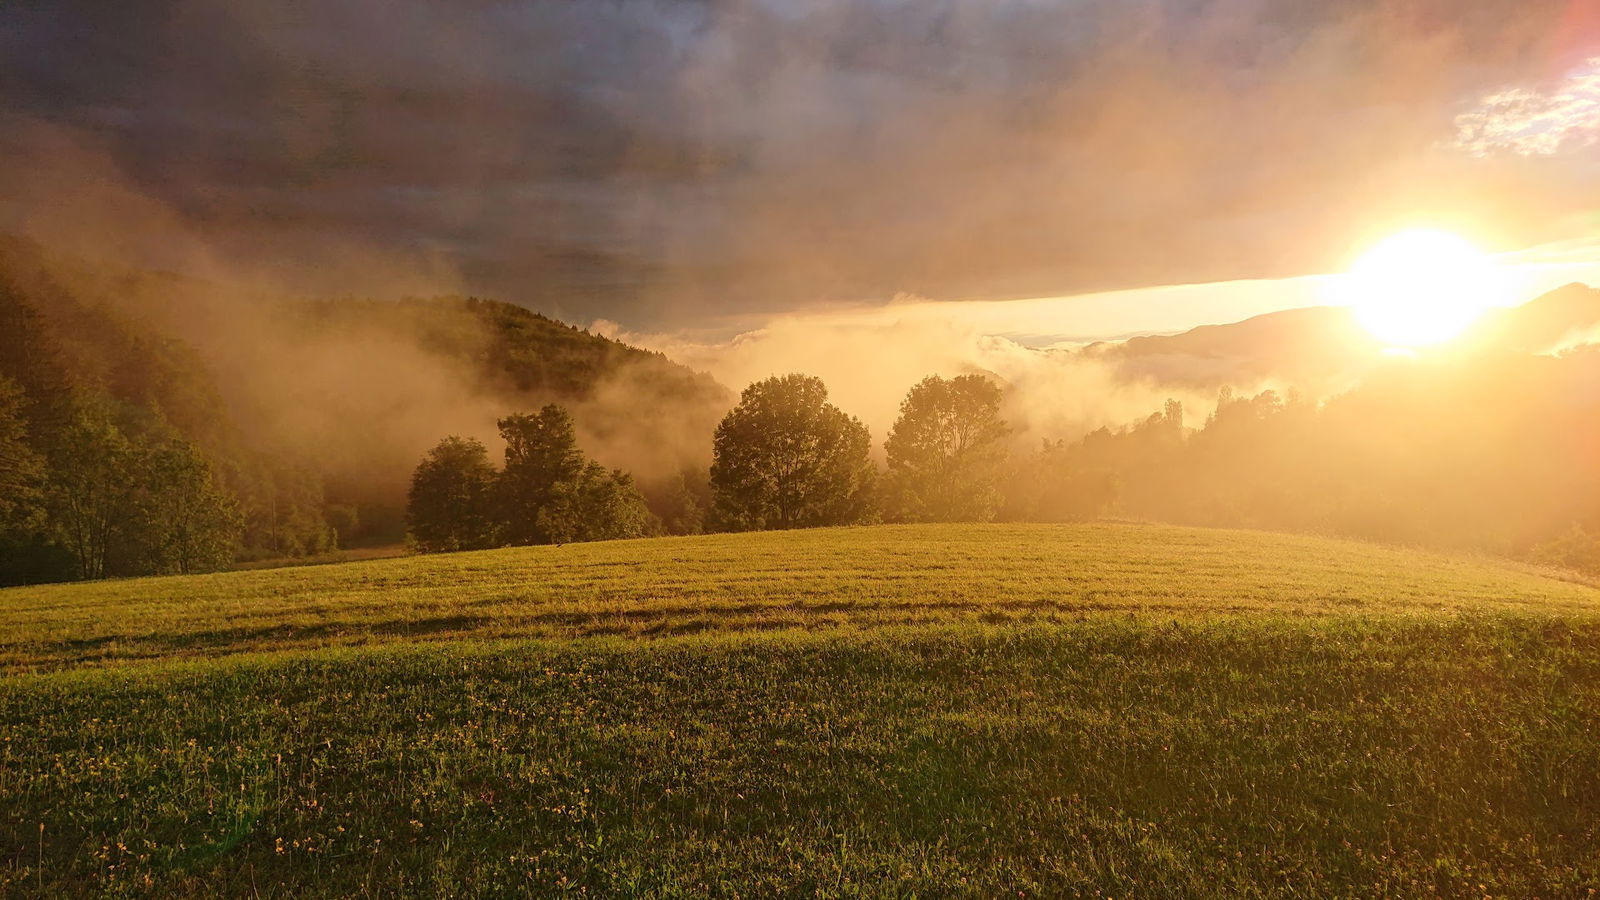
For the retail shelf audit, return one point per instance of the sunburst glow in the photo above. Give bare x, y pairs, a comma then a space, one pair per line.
1422, 287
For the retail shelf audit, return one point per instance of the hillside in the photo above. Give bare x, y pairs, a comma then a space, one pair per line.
760, 581
313, 413
959, 710
1544, 323
1314, 347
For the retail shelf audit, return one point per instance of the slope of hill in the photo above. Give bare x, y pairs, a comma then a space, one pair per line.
1547, 322
1033, 711
291, 398
1299, 346
736, 582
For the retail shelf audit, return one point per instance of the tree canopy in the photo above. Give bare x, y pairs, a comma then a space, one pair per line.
541, 453
548, 492
946, 451
452, 499
21, 469
784, 457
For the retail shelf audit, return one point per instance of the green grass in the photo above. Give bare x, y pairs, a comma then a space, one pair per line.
811, 579
970, 711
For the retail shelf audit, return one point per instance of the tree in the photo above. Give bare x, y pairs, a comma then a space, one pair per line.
541, 452
786, 458
946, 451
680, 501
1064, 482
31, 357
597, 505
186, 523
93, 476
140, 505
1578, 548
452, 500
548, 492
21, 469
27, 553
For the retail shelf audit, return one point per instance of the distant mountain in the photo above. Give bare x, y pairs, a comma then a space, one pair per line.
1324, 348
334, 401
1546, 323
1305, 347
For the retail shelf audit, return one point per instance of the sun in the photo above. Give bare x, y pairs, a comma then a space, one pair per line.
1422, 287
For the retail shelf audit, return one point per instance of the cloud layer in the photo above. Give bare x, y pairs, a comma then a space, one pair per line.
667, 162
1563, 118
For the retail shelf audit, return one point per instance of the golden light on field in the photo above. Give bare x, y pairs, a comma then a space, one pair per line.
1422, 287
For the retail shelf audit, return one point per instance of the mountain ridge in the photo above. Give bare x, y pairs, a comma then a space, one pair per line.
1321, 347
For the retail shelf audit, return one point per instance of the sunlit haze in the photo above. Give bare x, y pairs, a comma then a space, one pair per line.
769, 448
1422, 287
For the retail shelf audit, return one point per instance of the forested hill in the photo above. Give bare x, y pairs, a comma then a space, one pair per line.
309, 414
510, 348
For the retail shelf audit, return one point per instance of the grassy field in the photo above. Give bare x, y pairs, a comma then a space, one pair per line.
929, 711
907, 575
351, 554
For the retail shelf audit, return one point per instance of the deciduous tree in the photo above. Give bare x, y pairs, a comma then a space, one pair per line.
541, 452
597, 505
946, 451
784, 457
186, 523
93, 473
21, 469
452, 500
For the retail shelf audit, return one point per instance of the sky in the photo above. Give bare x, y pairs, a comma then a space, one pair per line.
704, 166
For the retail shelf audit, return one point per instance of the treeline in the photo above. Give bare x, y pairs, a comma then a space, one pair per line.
1496, 454
109, 492
118, 456
784, 457
123, 452
301, 416
546, 493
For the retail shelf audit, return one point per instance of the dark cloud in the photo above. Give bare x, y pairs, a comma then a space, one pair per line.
656, 161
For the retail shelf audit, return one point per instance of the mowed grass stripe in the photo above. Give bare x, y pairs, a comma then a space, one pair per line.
824, 578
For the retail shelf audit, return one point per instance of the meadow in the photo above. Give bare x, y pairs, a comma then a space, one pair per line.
1105, 710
